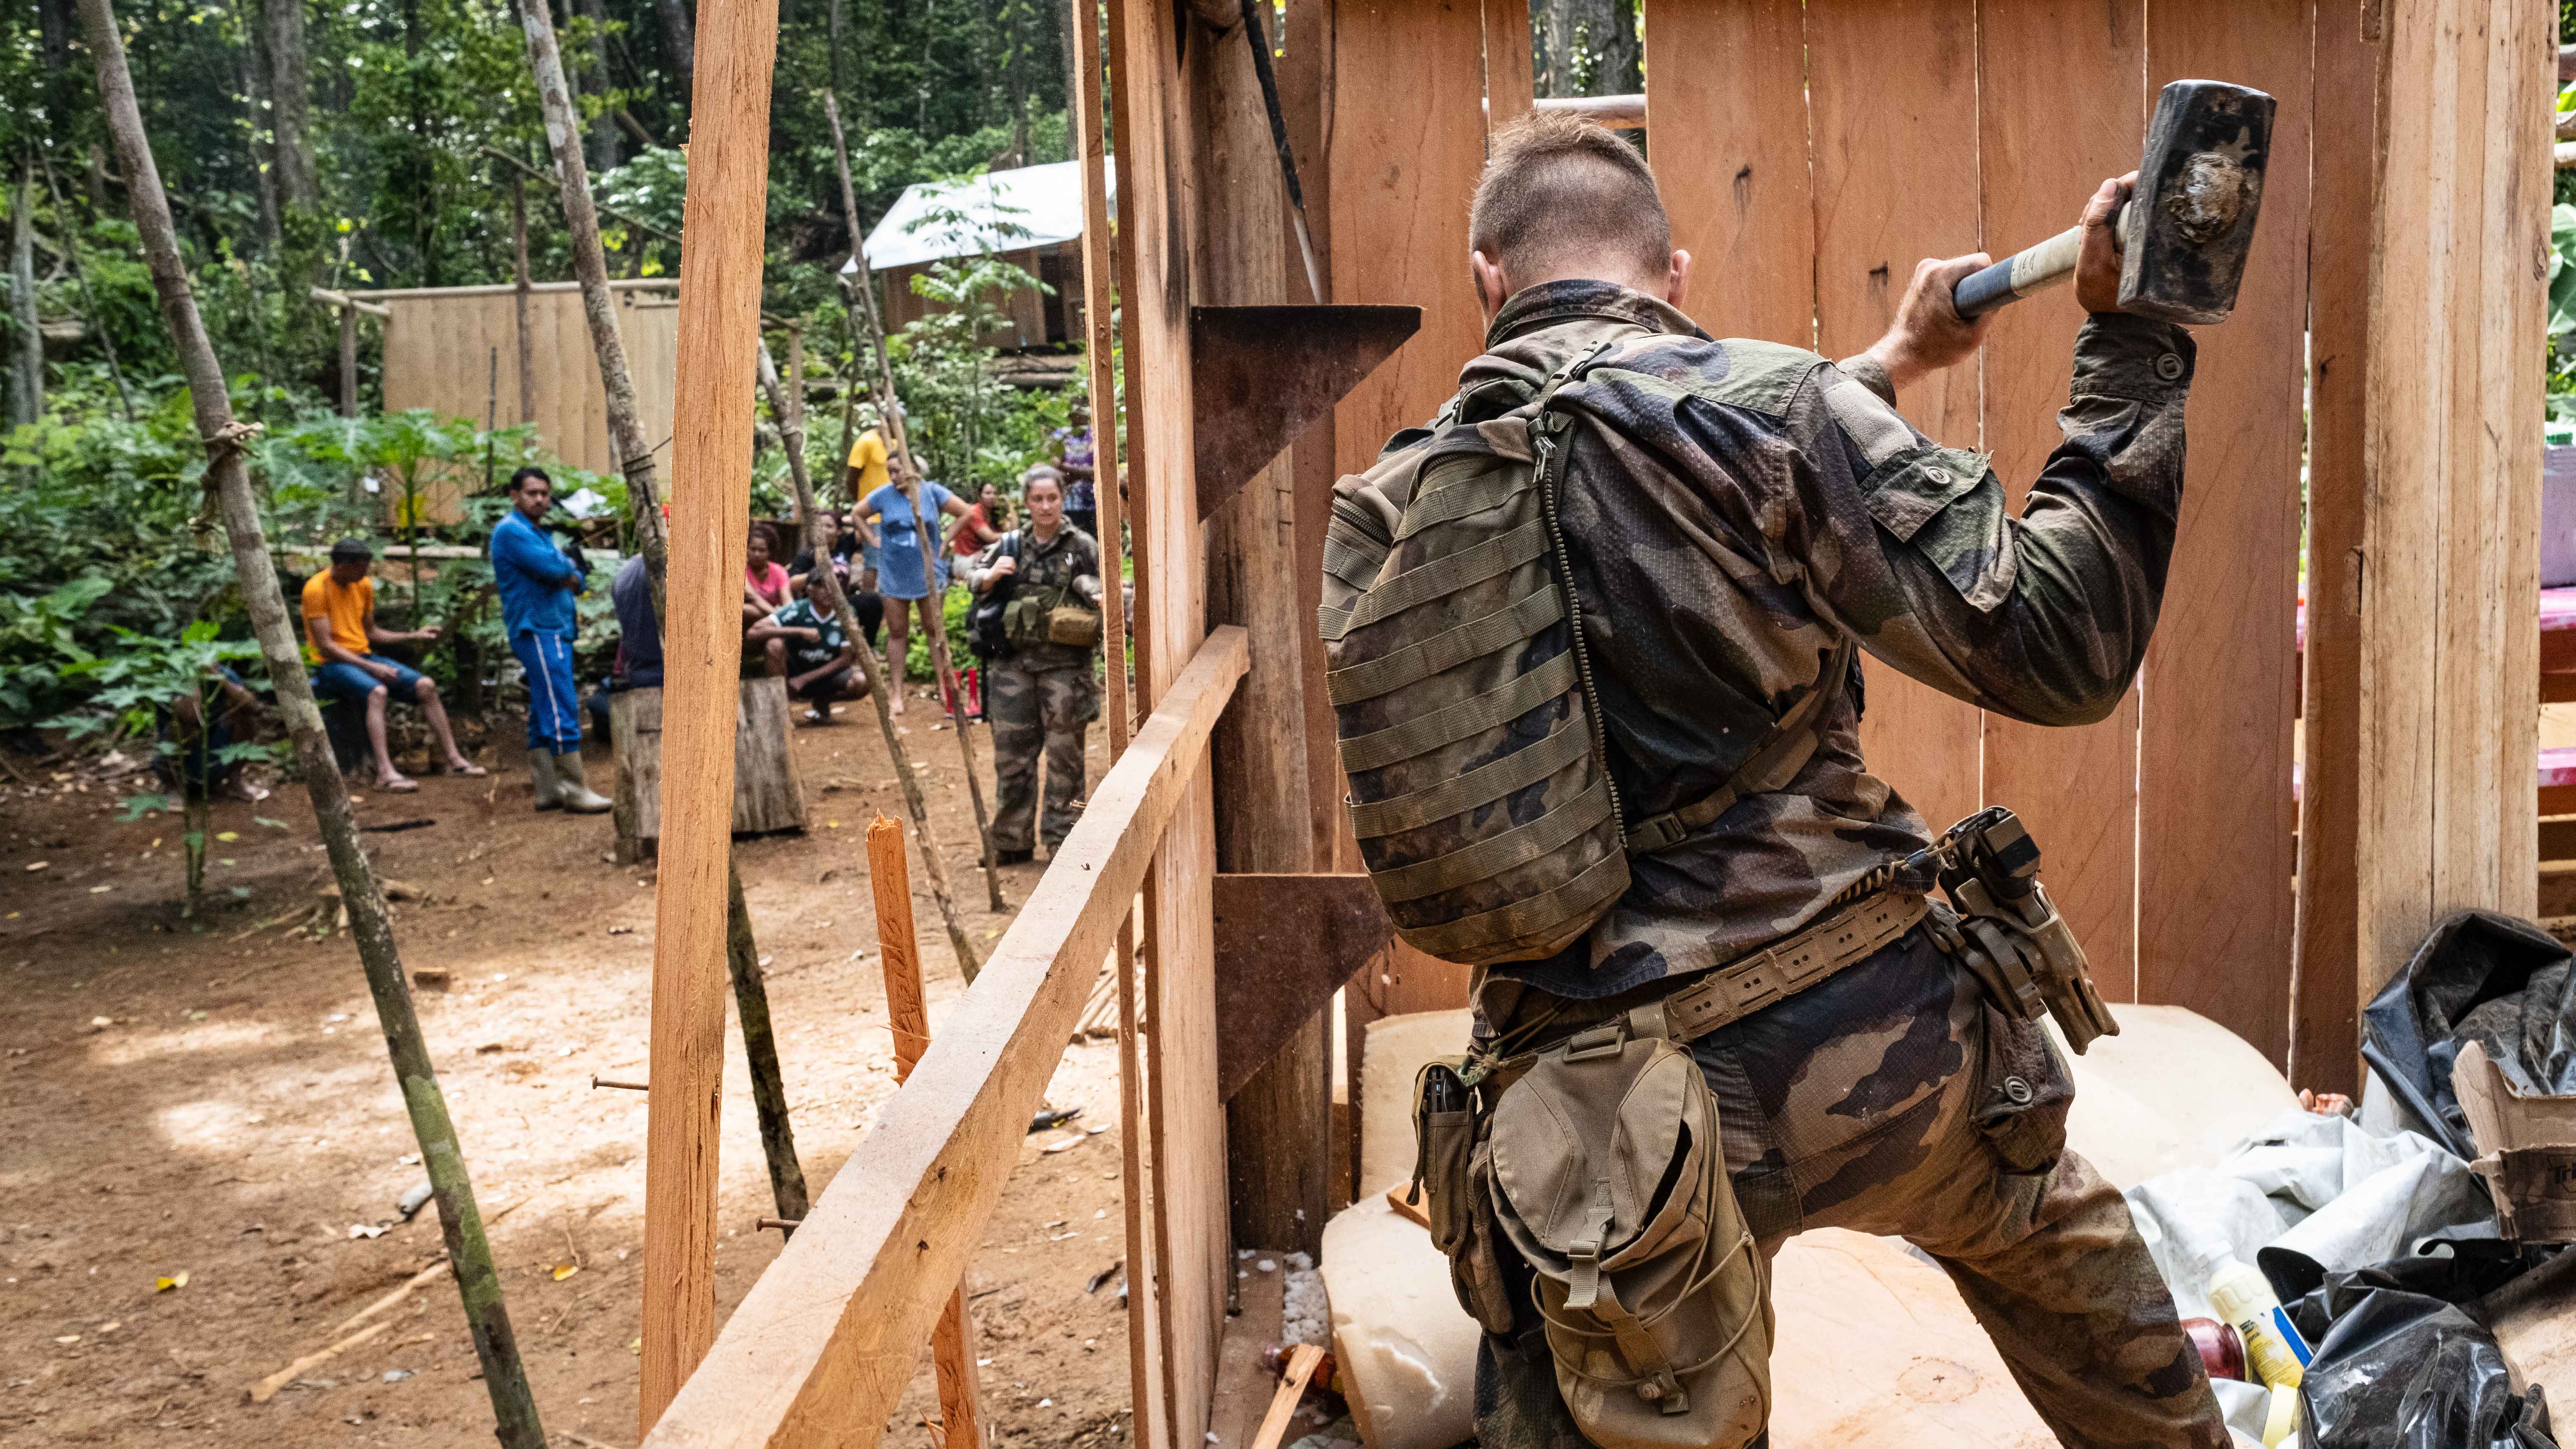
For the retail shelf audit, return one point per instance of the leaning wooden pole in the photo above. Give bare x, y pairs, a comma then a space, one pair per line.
825, 587
721, 231
487, 1318
626, 433
952, 1344
859, 295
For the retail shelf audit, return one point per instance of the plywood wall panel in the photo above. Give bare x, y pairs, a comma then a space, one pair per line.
1407, 131
2061, 105
1892, 107
1727, 99
2215, 815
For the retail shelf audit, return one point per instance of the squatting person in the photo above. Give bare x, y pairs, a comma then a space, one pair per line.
1734, 515
537, 583
1041, 693
341, 635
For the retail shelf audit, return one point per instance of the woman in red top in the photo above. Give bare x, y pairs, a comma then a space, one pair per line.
982, 525
764, 581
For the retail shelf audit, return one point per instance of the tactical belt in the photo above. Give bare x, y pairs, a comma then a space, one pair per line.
1791, 965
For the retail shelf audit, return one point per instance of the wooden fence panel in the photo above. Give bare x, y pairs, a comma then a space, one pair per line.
1892, 97
2061, 106
1407, 130
2214, 808
1734, 180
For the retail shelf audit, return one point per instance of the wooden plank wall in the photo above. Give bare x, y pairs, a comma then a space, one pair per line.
440, 347
1826, 147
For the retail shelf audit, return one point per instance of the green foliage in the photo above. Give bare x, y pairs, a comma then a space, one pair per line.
952, 613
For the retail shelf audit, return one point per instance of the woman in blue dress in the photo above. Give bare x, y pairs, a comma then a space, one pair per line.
911, 579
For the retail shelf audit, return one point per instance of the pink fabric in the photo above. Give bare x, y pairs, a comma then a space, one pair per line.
2557, 767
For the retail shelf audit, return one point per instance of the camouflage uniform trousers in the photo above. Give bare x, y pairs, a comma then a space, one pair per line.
1858, 1104
1034, 709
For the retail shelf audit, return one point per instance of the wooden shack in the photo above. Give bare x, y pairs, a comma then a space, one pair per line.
456, 351
1029, 216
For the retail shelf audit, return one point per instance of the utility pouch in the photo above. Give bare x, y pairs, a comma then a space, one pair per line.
1073, 624
1454, 1167
2023, 1092
2009, 932
1609, 1180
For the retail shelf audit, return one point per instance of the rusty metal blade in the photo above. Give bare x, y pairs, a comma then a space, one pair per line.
1259, 376
1284, 945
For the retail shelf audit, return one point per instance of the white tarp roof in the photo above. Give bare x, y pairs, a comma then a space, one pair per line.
1000, 211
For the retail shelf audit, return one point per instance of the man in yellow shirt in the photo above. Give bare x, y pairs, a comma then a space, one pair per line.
865, 474
340, 625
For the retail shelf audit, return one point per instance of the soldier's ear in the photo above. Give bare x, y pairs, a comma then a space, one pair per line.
1677, 277
1493, 289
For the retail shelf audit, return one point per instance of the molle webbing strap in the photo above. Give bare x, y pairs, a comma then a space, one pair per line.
1451, 572
1776, 759
1482, 785
1496, 854
1447, 649
1450, 503
1462, 720
1577, 899
1354, 564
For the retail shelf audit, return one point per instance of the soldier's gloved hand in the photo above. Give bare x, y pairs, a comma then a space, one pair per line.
2097, 266
1928, 333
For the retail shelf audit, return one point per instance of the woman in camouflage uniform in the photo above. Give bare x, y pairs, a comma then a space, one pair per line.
1043, 694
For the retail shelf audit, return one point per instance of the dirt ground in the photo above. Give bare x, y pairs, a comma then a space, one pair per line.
210, 1100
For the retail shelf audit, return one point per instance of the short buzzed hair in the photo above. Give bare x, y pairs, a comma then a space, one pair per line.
1558, 187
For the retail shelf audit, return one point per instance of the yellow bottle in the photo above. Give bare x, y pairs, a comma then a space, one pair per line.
2244, 1298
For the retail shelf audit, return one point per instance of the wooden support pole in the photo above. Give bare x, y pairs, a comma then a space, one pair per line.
519, 302
362, 895
1099, 311
719, 337
908, 1018
348, 360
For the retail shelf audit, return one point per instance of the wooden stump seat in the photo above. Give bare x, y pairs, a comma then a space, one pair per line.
766, 795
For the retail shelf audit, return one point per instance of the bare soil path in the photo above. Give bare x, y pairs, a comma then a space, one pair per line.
211, 1099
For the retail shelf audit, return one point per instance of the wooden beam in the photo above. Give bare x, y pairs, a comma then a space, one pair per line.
822, 1347
1730, 80
724, 221
2325, 1010
2451, 438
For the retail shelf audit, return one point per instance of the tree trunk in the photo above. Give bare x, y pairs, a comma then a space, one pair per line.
839, 24
290, 88
520, 300
594, 81
228, 477
27, 345
682, 38
626, 435
254, 89
70, 230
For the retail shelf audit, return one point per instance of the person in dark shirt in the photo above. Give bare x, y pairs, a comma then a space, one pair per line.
807, 648
639, 630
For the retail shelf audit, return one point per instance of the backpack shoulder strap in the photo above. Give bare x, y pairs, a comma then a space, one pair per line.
1780, 754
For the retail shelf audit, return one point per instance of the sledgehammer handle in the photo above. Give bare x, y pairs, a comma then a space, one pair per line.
2024, 272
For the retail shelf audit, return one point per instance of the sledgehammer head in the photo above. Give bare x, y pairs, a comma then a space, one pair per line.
2187, 228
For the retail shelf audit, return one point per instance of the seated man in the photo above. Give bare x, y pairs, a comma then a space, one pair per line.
201, 730
340, 625
818, 661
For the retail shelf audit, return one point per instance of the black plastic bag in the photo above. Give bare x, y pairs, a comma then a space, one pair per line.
2483, 977
2400, 1370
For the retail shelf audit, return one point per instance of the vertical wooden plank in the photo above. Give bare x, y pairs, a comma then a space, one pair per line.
2214, 808
2325, 1025
1726, 87
1407, 138
723, 224
2449, 655
1155, 181
1892, 107
1510, 91
2060, 107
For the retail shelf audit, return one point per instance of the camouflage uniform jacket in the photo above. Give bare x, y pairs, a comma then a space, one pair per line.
1732, 507
1071, 555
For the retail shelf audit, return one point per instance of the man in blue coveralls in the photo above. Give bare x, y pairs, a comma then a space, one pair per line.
537, 583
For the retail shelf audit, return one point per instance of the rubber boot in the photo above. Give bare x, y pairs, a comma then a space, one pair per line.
541, 764
574, 793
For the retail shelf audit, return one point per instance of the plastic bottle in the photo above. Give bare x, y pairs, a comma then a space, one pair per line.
2244, 1298
2281, 1417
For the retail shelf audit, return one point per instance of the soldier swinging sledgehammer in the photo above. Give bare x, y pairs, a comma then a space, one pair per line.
1592, 633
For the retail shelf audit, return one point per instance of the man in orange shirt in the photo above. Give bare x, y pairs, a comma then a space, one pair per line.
340, 623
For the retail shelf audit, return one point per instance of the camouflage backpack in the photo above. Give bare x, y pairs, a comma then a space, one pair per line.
1470, 726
